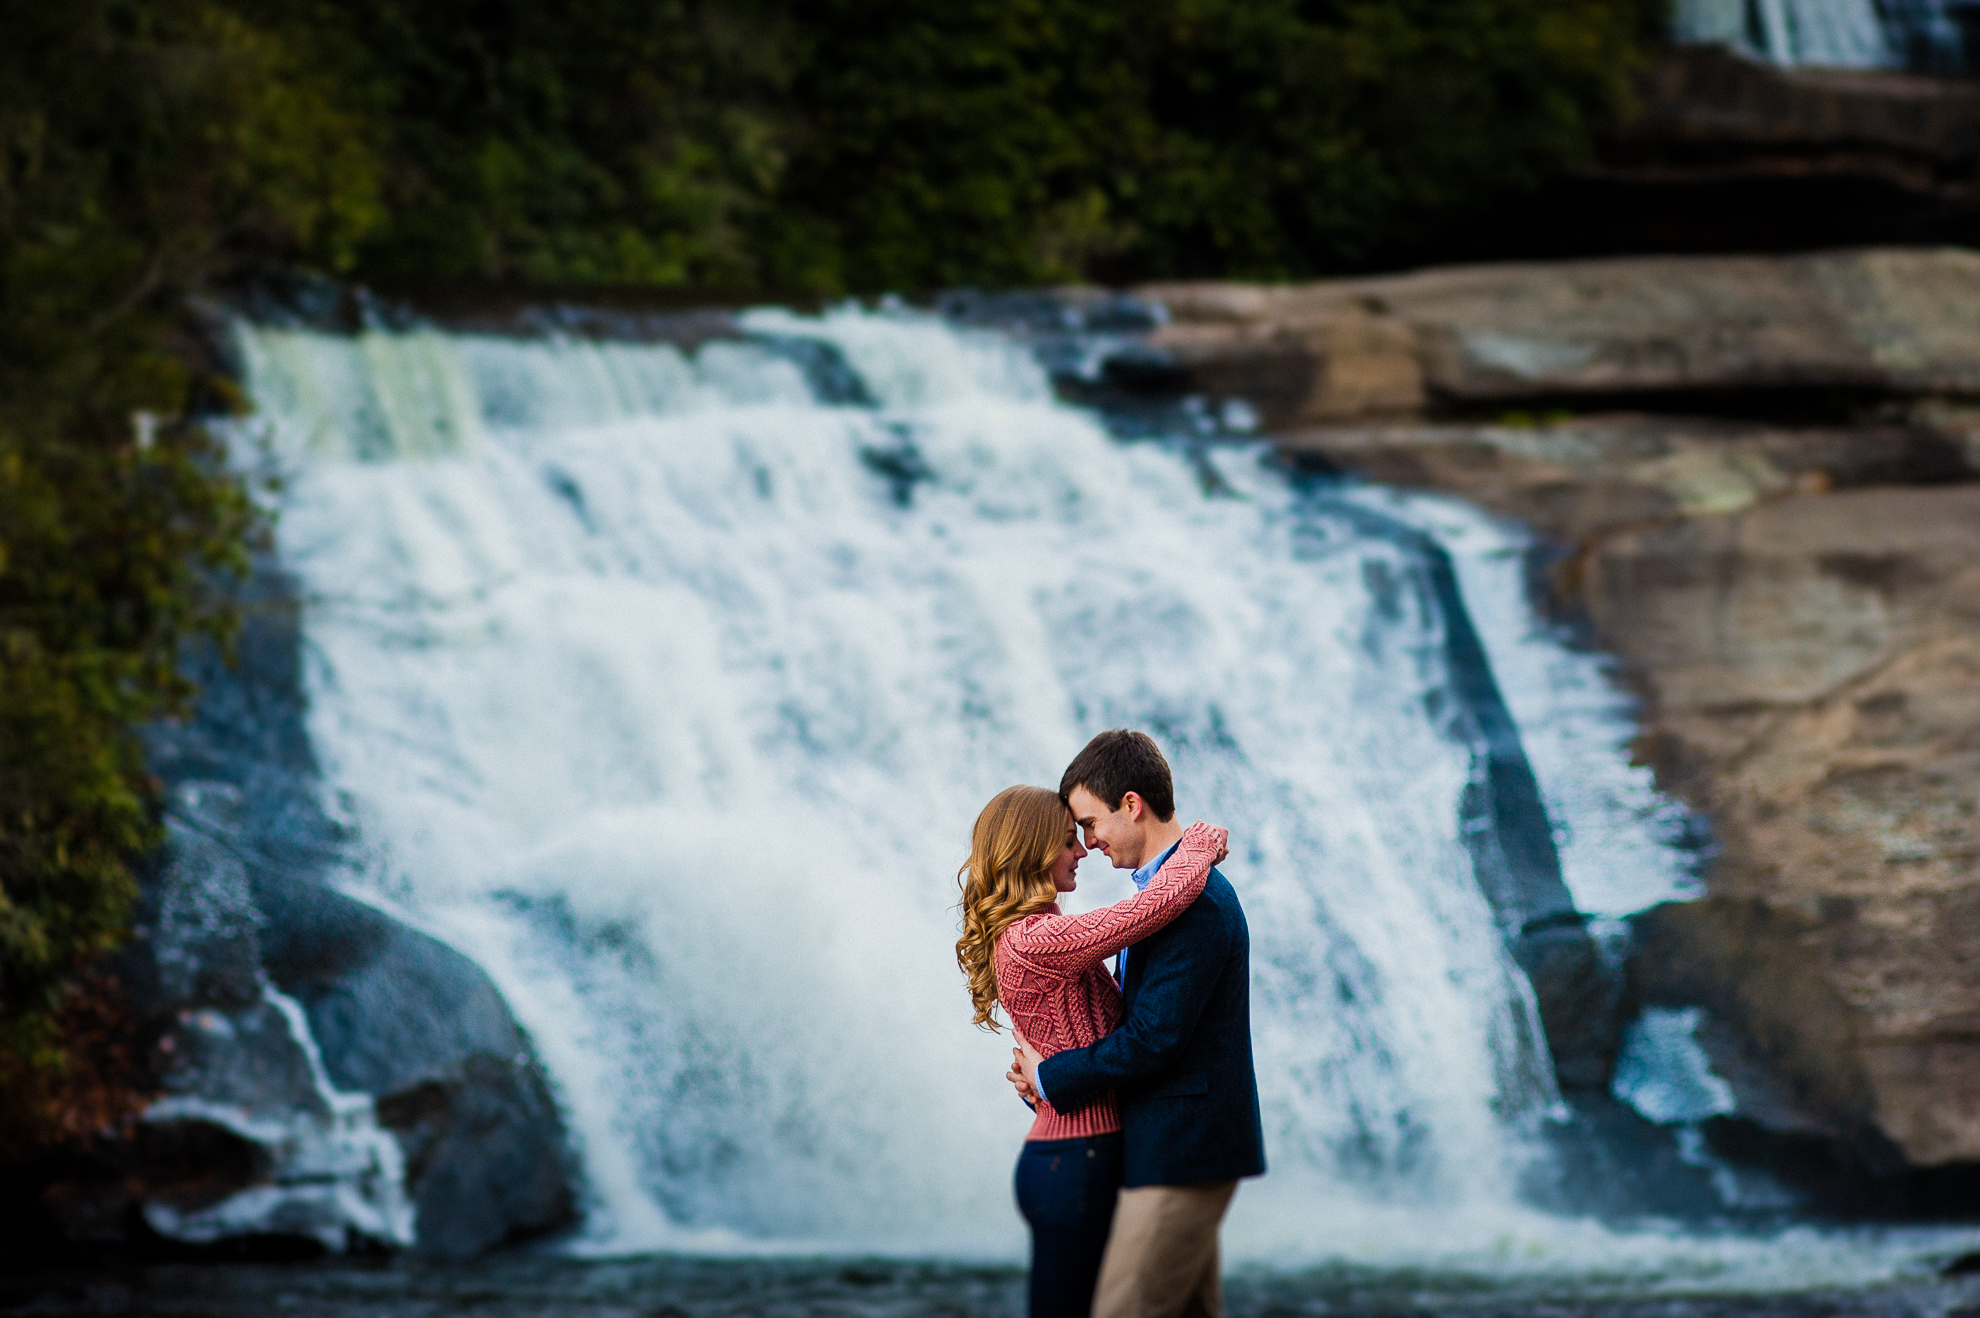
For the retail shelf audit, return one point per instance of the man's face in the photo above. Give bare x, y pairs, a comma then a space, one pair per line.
1121, 834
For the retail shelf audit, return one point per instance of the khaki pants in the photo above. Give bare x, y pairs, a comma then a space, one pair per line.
1161, 1259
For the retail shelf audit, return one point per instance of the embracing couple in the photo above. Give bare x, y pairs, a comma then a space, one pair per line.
1147, 1107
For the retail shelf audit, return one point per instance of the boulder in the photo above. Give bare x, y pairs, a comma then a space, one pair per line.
402, 1016
324, 1072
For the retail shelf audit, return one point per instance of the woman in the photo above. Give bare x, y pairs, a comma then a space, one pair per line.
1044, 968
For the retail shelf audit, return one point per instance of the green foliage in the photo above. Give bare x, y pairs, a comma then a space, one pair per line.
945, 144
1051, 139
826, 146
1365, 130
593, 142
142, 146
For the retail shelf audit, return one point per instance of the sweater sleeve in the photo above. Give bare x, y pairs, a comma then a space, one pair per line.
1175, 989
1068, 944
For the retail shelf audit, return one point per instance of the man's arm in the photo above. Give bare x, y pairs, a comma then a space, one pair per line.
1175, 988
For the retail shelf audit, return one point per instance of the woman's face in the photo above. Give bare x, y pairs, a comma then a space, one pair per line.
1064, 868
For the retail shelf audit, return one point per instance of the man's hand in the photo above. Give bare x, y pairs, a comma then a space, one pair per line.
1023, 1074
1025, 1060
1016, 1076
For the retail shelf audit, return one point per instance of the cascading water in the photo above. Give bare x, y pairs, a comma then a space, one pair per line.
666, 684
1846, 34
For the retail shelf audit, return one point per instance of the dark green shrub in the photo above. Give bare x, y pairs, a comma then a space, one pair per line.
594, 143
1055, 139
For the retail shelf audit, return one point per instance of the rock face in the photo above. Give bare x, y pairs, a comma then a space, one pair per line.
327, 1073
1578, 333
1710, 109
1731, 109
1727, 153
1815, 674
1797, 601
1579, 478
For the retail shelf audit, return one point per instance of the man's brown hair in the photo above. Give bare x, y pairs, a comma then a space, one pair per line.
1120, 761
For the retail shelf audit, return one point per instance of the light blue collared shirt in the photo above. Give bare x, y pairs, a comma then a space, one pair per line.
1142, 878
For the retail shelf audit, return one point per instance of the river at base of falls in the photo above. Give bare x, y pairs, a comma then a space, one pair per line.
665, 684
547, 1286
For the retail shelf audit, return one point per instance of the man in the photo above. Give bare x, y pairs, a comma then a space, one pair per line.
1180, 1061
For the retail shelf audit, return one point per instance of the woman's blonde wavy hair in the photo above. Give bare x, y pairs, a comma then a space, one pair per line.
1016, 839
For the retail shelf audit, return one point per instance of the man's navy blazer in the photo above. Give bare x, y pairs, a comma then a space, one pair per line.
1180, 1061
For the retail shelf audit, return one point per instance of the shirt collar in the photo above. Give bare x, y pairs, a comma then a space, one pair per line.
1146, 874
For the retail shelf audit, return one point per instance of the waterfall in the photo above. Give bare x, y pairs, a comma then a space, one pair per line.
665, 681
1848, 34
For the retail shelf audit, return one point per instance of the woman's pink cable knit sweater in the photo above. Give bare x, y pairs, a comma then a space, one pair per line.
1051, 981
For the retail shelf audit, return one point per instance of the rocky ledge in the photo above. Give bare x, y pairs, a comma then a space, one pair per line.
1760, 482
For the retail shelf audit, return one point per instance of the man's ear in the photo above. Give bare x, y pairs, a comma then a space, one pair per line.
1133, 805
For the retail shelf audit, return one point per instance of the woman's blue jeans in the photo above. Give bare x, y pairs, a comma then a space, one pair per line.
1066, 1190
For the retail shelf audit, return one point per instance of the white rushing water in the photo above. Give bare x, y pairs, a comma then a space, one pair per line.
1834, 34
668, 692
